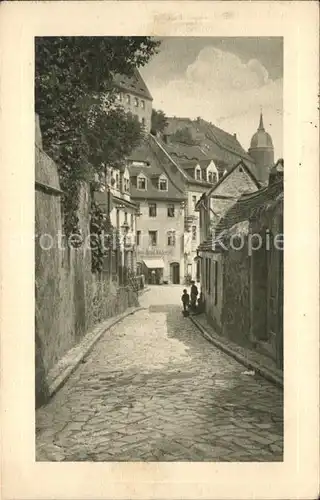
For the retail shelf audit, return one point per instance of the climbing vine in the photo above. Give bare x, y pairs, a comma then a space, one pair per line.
102, 237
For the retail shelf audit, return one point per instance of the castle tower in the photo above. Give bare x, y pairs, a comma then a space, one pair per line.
261, 150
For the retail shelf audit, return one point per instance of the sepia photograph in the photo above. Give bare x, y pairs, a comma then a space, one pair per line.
159, 283
158, 339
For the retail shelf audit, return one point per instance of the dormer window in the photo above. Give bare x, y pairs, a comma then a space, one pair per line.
198, 173
142, 183
126, 185
117, 180
210, 177
126, 181
163, 184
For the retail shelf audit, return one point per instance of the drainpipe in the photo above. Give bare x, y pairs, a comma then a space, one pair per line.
107, 186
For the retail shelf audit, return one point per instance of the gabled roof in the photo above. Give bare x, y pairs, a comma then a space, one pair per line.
150, 153
184, 173
248, 206
134, 84
239, 164
211, 142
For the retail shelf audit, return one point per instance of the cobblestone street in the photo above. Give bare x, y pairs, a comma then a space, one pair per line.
153, 389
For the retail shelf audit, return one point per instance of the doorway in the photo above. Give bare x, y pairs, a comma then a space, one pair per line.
175, 273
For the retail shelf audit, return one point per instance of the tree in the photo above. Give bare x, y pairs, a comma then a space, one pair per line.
159, 121
69, 72
111, 136
184, 136
74, 75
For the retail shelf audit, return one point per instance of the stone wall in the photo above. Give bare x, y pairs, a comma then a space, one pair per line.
62, 274
69, 298
236, 300
213, 308
234, 186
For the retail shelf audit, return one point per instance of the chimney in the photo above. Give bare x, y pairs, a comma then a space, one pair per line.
276, 172
280, 164
166, 138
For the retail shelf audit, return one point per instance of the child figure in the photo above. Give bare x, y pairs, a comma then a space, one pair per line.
185, 300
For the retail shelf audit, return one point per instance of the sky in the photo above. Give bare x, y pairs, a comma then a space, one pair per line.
224, 80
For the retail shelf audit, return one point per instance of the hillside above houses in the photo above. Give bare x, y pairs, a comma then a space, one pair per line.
198, 142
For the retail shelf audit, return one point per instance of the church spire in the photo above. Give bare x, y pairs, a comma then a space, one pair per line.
261, 126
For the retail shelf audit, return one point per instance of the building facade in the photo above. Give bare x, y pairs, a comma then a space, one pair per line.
191, 157
204, 155
114, 198
160, 197
242, 270
133, 95
212, 207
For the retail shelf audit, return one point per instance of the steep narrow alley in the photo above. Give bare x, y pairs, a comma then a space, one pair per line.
154, 389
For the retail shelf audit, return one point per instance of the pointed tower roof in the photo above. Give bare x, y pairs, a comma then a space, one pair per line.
261, 139
261, 126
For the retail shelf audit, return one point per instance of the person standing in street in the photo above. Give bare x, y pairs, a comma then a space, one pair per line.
153, 277
185, 301
193, 295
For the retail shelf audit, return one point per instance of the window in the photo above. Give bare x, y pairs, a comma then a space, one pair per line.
210, 177
136, 102
152, 210
138, 238
171, 210
153, 238
126, 185
194, 233
131, 221
171, 238
143, 122
138, 208
143, 104
208, 275
119, 97
142, 183
198, 174
128, 100
126, 217
118, 218
117, 180
215, 277
194, 202
163, 184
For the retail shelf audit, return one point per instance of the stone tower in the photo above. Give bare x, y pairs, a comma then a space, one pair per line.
261, 150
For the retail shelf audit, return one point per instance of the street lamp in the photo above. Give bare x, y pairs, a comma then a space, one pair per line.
197, 260
197, 257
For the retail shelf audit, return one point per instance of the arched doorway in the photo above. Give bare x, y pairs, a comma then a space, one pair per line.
175, 273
